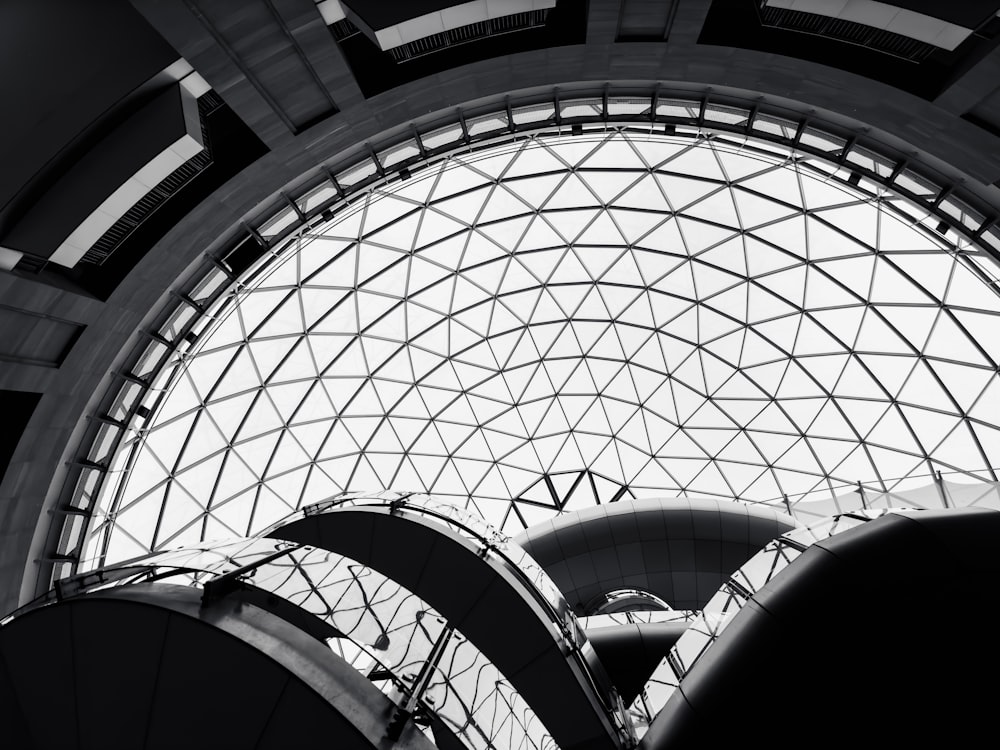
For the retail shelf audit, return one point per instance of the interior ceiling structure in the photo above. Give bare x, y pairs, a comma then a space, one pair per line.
313, 311
697, 314
815, 328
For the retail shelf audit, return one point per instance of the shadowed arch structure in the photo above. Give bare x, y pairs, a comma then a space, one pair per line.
181, 674
836, 602
679, 550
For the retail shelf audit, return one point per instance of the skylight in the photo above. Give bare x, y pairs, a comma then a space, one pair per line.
565, 320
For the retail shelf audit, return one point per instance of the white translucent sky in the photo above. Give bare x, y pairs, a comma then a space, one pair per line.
677, 316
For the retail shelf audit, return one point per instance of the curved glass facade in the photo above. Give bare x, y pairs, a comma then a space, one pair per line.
544, 324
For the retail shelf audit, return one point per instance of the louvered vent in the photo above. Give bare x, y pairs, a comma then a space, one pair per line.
880, 40
101, 250
472, 32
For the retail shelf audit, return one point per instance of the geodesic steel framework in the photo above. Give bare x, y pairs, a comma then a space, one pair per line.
830, 389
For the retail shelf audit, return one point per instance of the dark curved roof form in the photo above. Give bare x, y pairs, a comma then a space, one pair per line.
677, 549
478, 582
427, 667
828, 639
181, 675
630, 652
737, 592
256, 607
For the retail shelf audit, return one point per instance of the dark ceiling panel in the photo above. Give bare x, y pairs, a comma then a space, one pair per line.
738, 23
92, 179
17, 408
377, 71
231, 146
34, 338
75, 62
258, 39
645, 20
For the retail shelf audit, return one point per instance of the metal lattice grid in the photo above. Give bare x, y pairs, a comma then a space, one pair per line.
675, 315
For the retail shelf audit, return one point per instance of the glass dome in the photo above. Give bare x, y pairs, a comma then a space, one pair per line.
563, 320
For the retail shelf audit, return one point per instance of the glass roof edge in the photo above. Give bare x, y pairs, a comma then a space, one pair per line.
67, 548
